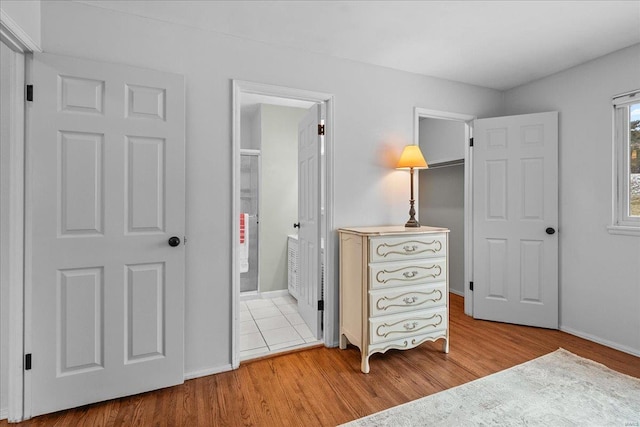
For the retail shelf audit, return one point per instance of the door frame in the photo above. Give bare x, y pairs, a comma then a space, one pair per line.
13, 247
239, 87
467, 119
19, 41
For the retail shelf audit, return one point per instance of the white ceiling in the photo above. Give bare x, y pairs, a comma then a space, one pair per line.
496, 44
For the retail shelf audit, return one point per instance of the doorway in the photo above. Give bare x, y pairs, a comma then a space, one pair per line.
445, 188
267, 271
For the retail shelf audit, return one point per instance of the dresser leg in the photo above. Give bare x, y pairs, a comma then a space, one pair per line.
343, 341
445, 345
364, 366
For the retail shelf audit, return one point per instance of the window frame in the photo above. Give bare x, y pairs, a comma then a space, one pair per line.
622, 222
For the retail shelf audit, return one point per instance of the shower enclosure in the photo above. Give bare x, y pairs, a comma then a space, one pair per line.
249, 204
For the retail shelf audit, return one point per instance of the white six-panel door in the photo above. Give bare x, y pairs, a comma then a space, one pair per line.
105, 193
515, 206
309, 286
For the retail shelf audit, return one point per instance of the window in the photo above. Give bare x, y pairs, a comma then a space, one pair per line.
626, 212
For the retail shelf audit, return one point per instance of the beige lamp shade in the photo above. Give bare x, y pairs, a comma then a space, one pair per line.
412, 158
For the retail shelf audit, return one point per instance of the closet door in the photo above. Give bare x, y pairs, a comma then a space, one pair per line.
515, 219
106, 221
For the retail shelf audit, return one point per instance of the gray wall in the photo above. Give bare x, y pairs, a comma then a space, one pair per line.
441, 140
371, 125
250, 133
442, 205
441, 190
279, 198
599, 272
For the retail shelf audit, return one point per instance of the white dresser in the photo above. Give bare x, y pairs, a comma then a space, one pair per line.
394, 288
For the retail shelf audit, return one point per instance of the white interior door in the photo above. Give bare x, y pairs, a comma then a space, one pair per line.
105, 194
515, 210
309, 155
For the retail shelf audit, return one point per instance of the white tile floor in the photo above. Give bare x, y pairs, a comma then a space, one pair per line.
271, 325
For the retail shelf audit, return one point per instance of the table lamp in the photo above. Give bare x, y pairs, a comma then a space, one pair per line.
411, 159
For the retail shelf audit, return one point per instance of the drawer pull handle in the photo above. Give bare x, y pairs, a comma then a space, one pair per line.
387, 329
385, 276
385, 303
411, 247
410, 326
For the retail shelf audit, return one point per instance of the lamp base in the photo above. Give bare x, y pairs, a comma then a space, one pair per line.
412, 223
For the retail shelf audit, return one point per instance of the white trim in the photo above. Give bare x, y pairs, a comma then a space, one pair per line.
249, 152
623, 230
15, 242
621, 221
28, 251
16, 218
209, 371
14, 36
468, 220
456, 292
624, 98
247, 296
332, 282
468, 119
331, 312
599, 340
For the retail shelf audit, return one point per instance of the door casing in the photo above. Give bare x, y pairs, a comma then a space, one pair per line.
330, 334
13, 243
19, 41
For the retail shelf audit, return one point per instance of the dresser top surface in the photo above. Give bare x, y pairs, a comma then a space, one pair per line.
393, 229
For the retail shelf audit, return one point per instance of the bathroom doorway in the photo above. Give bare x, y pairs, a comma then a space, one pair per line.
274, 283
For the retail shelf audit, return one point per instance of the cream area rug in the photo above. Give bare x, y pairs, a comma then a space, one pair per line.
558, 389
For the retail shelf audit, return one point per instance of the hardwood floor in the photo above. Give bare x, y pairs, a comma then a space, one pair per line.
324, 387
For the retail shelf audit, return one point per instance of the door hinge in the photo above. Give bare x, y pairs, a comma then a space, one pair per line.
29, 93
471, 142
471, 285
321, 305
27, 362
320, 129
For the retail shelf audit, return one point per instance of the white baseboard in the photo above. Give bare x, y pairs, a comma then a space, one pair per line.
4, 413
246, 296
624, 348
453, 291
209, 371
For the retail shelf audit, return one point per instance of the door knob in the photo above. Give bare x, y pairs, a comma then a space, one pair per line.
550, 230
174, 241
296, 225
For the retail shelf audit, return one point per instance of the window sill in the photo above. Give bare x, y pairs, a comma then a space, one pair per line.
624, 230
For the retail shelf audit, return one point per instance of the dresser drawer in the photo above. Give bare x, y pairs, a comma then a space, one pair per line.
388, 274
406, 298
405, 325
386, 248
